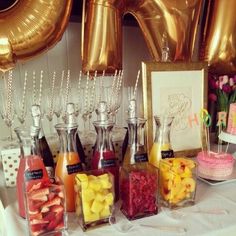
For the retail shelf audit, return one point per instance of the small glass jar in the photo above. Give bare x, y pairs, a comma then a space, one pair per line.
177, 182
139, 190
45, 208
94, 197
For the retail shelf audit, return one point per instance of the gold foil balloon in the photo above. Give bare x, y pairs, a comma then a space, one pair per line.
219, 39
169, 22
29, 27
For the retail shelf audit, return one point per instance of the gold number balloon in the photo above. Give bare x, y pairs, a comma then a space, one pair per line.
29, 27
219, 41
174, 20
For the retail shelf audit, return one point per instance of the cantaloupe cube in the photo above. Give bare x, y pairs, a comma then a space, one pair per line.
97, 206
106, 212
109, 199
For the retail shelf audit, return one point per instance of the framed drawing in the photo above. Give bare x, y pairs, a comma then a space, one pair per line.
178, 90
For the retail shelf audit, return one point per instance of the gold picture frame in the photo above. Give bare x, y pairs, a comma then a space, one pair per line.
175, 84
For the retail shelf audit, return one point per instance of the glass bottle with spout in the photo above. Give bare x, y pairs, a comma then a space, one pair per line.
68, 162
32, 171
104, 154
44, 148
136, 149
71, 120
161, 147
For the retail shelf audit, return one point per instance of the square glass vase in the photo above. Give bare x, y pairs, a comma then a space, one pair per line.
94, 198
139, 190
45, 209
177, 182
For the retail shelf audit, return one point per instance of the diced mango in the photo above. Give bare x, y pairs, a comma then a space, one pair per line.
187, 173
105, 212
97, 206
87, 194
189, 184
109, 199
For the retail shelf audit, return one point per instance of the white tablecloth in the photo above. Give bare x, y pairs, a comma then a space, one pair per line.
213, 214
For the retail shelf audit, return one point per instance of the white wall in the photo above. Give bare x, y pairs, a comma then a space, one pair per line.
67, 55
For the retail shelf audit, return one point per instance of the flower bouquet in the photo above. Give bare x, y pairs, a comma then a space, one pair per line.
222, 92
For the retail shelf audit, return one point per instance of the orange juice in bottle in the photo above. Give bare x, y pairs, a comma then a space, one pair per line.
68, 162
161, 147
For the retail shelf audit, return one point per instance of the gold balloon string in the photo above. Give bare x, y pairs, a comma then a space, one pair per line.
67, 87
34, 87
52, 93
23, 96
92, 97
110, 98
9, 95
40, 87
79, 82
86, 93
117, 90
101, 86
136, 85
62, 81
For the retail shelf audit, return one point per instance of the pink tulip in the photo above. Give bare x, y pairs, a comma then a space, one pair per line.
212, 97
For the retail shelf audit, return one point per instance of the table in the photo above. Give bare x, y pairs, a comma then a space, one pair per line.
213, 214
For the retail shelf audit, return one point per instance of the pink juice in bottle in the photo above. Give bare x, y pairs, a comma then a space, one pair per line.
107, 160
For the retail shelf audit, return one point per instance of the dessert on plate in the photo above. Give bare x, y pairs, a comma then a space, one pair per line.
215, 166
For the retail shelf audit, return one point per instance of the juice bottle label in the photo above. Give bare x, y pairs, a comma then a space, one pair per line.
75, 168
167, 154
141, 157
108, 163
34, 174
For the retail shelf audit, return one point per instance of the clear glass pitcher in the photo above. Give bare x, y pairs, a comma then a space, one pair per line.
68, 161
136, 150
161, 147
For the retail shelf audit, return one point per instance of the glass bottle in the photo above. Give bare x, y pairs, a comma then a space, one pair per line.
136, 150
31, 170
44, 148
131, 114
71, 120
161, 147
68, 162
104, 153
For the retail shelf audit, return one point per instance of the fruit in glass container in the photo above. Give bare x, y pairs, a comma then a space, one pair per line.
45, 209
96, 198
139, 194
176, 179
